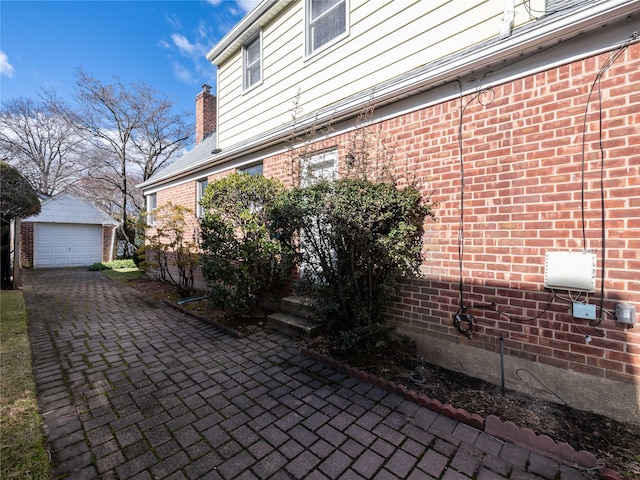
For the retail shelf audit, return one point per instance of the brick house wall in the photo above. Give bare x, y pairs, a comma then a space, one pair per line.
522, 152
108, 243
26, 244
522, 155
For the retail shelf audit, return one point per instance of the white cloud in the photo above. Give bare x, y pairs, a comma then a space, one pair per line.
5, 67
182, 73
183, 44
174, 21
248, 5
243, 5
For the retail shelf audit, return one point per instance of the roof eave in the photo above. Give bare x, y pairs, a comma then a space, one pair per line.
245, 29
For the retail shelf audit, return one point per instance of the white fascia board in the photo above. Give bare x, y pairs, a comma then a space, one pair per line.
246, 28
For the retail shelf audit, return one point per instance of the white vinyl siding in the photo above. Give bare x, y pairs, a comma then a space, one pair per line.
59, 245
384, 41
252, 62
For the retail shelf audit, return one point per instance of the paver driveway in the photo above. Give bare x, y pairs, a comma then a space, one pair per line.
132, 389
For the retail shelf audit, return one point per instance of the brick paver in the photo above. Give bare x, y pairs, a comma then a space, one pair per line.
132, 389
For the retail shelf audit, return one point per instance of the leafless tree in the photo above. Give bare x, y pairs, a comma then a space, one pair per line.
40, 144
162, 136
134, 132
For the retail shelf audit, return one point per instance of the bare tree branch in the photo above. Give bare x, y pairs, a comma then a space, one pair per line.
36, 139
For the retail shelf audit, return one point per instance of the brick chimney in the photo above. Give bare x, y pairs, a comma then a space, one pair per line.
206, 120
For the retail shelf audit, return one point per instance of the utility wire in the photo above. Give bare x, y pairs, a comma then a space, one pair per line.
463, 108
611, 59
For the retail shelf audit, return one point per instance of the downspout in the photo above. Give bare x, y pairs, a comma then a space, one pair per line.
506, 22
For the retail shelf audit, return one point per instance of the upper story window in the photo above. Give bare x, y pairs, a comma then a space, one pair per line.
326, 20
201, 187
152, 204
252, 61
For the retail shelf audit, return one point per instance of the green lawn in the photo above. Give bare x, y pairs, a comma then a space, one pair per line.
22, 452
123, 274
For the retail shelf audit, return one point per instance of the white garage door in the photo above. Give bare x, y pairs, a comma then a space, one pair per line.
66, 245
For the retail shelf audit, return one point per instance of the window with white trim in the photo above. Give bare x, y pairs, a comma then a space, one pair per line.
252, 62
201, 187
322, 165
326, 20
255, 170
152, 204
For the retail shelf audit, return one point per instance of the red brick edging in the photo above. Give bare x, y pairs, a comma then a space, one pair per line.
492, 425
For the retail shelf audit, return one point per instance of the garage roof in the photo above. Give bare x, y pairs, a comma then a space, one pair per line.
66, 208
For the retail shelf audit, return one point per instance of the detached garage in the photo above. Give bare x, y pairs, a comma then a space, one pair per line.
68, 232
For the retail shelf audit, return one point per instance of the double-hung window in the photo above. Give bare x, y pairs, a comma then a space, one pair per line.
253, 170
319, 166
326, 21
201, 186
252, 62
152, 204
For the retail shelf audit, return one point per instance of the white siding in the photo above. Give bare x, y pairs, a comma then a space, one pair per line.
386, 38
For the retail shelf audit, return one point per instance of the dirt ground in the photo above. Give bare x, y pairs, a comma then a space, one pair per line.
616, 444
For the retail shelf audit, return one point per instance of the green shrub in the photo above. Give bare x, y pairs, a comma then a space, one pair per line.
241, 260
358, 239
114, 264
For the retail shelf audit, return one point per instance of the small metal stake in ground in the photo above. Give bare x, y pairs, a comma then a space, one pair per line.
502, 363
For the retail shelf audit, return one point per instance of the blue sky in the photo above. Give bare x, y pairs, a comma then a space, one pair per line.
162, 43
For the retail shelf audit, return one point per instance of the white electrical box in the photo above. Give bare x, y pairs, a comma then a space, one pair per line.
575, 271
584, 310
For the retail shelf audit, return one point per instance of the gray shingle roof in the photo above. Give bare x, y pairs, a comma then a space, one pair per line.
192, 158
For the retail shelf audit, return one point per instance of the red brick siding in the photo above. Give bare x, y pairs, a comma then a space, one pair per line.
108, 244
522, 152
206, 114
26, 244
522, 159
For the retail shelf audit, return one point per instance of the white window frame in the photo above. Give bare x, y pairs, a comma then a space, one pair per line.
201, 186
320, 165
253, 170
152, 204
310, 49
246, 67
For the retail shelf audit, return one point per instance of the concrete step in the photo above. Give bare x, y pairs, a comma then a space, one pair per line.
297, 305
294, 325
